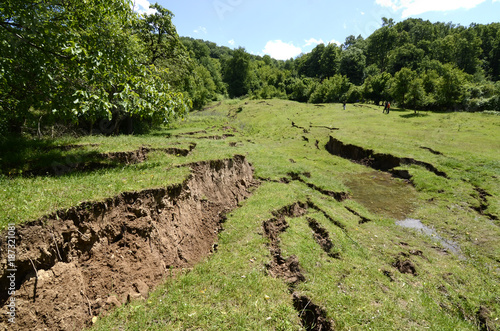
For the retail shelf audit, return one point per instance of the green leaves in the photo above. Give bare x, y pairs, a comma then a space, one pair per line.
86, 63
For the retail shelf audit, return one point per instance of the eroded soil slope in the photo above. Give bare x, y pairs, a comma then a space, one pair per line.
76, 263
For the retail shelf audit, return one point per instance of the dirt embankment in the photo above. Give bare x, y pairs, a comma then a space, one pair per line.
76, 263
377, 161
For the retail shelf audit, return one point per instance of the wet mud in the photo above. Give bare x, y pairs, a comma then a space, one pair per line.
448, 245
116, 250
377, 161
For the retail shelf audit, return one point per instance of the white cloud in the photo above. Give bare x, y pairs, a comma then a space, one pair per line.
333, 41
280, 50
313, 41
416, 7
231, 42
201, 29
142, 7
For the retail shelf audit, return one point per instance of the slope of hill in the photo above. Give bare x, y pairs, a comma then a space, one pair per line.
326, 219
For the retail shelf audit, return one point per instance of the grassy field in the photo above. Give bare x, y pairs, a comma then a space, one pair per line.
358, 283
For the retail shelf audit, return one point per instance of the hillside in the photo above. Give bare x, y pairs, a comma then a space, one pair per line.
260, 215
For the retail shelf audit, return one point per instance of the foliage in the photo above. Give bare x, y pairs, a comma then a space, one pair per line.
79, 60
237, 72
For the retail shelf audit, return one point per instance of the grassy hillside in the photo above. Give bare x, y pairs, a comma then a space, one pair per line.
370, 274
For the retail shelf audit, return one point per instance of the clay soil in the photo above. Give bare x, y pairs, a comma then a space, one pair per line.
77, 263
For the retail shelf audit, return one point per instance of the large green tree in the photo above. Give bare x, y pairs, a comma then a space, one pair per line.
78, 60
237, 73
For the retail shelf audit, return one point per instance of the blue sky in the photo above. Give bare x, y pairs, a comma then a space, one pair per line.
286, 28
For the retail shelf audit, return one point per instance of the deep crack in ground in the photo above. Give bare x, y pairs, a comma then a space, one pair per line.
118, 249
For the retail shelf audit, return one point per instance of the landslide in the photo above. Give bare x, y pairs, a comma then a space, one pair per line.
74, 264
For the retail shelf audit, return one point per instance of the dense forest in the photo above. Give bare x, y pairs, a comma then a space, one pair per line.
414, 63
101, 66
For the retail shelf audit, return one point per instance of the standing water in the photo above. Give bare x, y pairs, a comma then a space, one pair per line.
383, 194
417, 225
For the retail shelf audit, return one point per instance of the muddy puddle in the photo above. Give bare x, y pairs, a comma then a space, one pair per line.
383, 194
449, 245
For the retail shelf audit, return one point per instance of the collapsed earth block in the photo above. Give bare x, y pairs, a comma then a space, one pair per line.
76, 263
377, 161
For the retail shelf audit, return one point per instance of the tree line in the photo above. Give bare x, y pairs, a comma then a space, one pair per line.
415, 63
103, 66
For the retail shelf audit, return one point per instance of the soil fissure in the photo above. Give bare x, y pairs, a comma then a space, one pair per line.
116, 250
377, 161
312, 316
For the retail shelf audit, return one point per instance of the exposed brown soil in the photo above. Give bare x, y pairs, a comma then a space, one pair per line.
405, 266
70, 147
286, 268
324, 127
484, 318
378, 161
339, 196
313, 317
431, 150
212, 107
190, 133
76, 263
322, 237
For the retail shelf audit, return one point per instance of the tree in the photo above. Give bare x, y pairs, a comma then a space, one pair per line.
416, 97
379, 44
352, 65
401, 85
406, 56
78, 60
236, 73
451, 89
375, 87
330, 60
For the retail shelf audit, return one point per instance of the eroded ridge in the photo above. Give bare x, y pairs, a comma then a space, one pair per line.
76, 263
377, 161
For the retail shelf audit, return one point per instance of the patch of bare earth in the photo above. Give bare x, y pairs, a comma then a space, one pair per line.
77, 263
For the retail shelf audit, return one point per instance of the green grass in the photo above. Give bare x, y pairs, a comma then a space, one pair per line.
231, 290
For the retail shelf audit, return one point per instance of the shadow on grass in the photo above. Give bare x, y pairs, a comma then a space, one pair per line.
413, 115
28, 157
